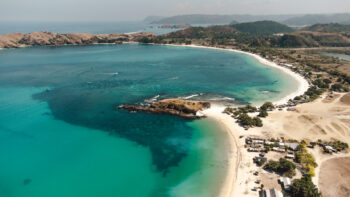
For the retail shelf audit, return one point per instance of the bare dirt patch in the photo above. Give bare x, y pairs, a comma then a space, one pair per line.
335, 177
346, 99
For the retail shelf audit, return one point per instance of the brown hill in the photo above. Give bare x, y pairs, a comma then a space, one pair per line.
15, 40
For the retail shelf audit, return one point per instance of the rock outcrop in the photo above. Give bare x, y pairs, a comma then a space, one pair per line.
16, 40
179, 107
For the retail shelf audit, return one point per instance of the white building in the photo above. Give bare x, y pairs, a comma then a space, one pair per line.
271, 193
285, 182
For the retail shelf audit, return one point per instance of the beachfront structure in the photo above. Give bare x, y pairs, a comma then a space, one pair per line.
329, 149
292, 146
254, 141
281, 150
289, 156
256, 149
285, 182
258, 141
259, 159
271, 193
287, 65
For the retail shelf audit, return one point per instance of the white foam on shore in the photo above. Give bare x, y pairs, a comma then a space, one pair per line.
231, 186
191, 96
303, 85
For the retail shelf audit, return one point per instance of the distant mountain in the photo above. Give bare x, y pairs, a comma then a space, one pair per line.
312, 19
219, 19
262, 28
292, 20
332, 27
196, 19
150, 19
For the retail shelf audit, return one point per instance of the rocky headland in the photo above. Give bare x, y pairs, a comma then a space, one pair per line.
179, 107
16, 40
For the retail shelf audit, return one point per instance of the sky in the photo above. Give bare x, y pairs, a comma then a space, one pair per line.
131, 10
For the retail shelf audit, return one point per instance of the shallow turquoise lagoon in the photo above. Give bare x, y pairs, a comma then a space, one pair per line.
61, 135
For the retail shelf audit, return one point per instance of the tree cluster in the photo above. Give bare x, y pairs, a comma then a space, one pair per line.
283, 166
304, 187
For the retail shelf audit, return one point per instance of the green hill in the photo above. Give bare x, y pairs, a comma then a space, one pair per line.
212, 32
262, 28
332, 27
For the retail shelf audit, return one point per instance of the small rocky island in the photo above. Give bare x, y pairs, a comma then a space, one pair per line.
179, 107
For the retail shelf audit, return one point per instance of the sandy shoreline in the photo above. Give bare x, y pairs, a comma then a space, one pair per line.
325, 124
302, 84
235, 172
233, 185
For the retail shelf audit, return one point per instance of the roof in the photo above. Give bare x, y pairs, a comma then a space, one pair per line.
285, 180
273, 193
293, 146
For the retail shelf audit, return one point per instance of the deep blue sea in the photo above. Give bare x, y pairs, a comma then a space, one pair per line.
61, 134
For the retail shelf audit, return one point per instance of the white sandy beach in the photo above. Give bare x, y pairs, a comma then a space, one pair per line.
312, 121
240, 179
301, 82
237, 171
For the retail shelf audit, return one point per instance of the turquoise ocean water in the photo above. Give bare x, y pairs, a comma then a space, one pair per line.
61, 135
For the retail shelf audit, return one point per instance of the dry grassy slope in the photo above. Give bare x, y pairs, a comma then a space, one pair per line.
188, 104
324, 38
48, 38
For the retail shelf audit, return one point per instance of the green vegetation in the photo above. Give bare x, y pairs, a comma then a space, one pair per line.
306, 160
321, 83
264, 108
262, 28
304, 187
267, 106
256, 35
338, 145
331, 27
314, 92
260, 162
283, 166
245, 120
297, 98
247, 109
263, 113
339, 88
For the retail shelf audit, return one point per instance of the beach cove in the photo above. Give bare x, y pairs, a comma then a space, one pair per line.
107, 76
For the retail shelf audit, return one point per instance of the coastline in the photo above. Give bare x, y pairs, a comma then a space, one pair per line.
236, 171
232, 183
303, 85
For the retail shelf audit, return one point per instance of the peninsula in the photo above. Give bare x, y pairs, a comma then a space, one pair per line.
16, 40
